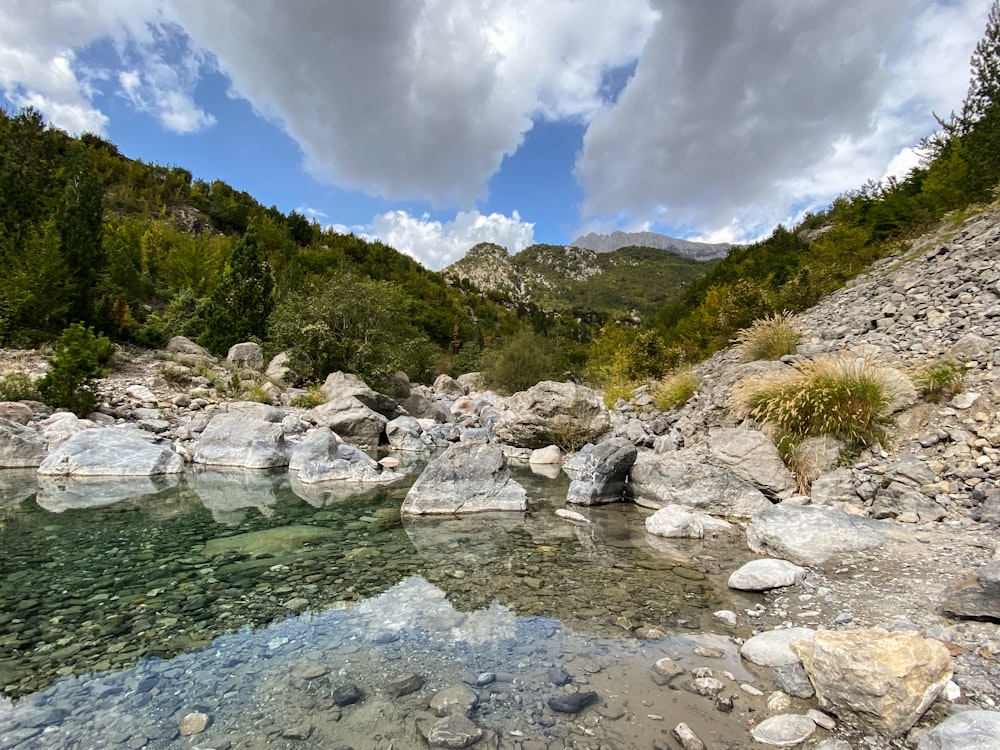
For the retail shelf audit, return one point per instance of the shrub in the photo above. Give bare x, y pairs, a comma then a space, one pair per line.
676, 389
768, 338
842, 396
312, 398
17, 386
939, 379
81, 356
521, 362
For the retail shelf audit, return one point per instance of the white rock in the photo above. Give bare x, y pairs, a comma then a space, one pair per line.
762, 575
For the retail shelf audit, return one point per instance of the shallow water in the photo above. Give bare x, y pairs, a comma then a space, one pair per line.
221, 592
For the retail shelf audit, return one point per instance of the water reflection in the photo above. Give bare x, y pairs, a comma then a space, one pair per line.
229, 493
59, 494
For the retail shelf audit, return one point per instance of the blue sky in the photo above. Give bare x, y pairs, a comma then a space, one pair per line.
437, 124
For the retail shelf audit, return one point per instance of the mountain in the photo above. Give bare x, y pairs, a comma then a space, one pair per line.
627, 283
606, 243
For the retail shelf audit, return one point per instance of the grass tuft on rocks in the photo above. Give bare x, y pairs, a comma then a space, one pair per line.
940, 379
768, 338
676, 389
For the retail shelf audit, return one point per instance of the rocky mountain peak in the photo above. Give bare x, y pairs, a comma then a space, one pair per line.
606, 243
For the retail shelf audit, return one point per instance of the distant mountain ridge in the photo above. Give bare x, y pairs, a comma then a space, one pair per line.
606, 243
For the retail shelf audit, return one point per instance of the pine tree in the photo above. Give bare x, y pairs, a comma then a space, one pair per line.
79, 220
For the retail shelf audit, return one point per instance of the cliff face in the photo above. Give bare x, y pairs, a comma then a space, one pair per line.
606, 243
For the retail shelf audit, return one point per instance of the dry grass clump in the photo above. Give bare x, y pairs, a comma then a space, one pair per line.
842, 396
768, 338
939, 379
676, 389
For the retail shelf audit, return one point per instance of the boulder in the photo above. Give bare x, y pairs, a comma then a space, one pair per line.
419, 406
351, 420
971, 347
61, 426
322, 457
548, 455
247, 354
15, 411
20, 446
250, 438
751, 456
976, 596
466, 478
448, 386
340, 385
113, 452
880, 680
834, 488
773, 647
406, 434
968, 730
399, 385
663, 479
551, 412
181, 345
679, 522
763, 575
281, 370
811, 535
601, 477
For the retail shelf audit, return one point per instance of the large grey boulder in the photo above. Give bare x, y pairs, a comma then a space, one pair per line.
834, 488
182, 345
751, 456
340, 385
351, 419
20, 446
114, 452
880, 680
551, 412
15, 411
663, 479
466, 478
247, 354
248, 436
322, 457
811, 535
968, 730
406, 434
448, 386
976, 596
601, 478
773, 647
675, 521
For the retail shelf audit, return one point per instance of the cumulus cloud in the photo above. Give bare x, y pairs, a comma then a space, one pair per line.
437, 244
737, 113
416, 100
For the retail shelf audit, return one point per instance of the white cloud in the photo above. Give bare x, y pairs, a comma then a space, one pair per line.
735, 116
437, 244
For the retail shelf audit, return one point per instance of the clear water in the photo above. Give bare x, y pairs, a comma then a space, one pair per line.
251, 599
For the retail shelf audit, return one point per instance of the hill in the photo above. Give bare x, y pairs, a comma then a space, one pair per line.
606, 243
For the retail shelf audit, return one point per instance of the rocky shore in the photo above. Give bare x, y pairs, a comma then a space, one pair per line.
879, 618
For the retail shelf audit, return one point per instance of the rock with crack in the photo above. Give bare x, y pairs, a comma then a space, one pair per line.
811, 535
601, 478
466, 478
114, 452
248, 436
322, 457
551, 412
751, 456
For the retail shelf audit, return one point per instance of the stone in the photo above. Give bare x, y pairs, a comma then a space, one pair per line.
466, 478
20, 446
15, 411
454, 732
976, 596
772, 648
182, 345
448, 386
833, 488
572, 516
792, 679
784, 730
964, 400
675, 521
763, 575
113, 452
657, 480
405, 434
551, 454
193, 723
811, 535
280, 369
246, 436
550, 410
340, 385
688, 739
404, 685
751, 456
969, 730
351, 420
971, 347
277, 541
347, 694
601, 478
883, 681
573, 703
456, 699
833, 744
246, 354
816, 456
321, 457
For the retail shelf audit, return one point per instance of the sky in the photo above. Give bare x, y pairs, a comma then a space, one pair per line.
437, 124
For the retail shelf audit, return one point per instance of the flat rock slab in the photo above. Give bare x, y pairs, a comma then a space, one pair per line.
969, 730
763, 575
110, 453
976, 596
676, 521
771, 649
276, 541
811, 535
784, 730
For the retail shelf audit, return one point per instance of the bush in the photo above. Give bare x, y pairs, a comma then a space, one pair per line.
17, 386
521, 362
847, 398
676, 389
768, 338
81, 356
939, 379
312, 398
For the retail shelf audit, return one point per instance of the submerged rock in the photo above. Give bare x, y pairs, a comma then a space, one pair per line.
277, 541
466, 478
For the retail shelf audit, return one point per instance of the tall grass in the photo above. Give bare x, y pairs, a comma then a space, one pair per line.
768, 338
676, 389
939, 379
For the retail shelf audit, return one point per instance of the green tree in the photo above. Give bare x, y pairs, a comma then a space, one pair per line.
79, 218
81, 356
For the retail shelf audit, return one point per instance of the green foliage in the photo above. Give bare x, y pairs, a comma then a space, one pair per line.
521, 361
768, 338
312, 397
18, 386
81, 356
939, 379
676, 389
842, 396
353, 324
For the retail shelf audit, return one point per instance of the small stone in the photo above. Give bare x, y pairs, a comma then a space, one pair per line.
707, 686
311, 673
345, 695
668, 668
688, 739
822, 720
405, 685
574, 702
558, 676
193, 723
297, 604
778, 702
762, 575
784, 730
454, 731
726, 617
301, 732
724, 704
455, 699
572, 516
